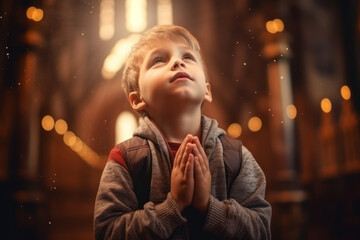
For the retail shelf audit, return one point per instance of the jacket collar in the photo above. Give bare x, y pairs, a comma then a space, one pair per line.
209, 133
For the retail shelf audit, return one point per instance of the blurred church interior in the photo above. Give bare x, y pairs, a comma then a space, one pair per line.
285, 78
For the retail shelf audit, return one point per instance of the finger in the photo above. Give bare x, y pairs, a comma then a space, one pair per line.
203, 162
199, 146
185, 157
197, 168
176, 162
199, 158
179, 154
189, 170
201, 152
181, 150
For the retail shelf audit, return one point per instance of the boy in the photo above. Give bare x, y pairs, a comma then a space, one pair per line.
189, 195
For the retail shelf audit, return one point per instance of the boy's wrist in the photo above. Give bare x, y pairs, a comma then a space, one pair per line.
178, 203
168, 213
180, 206
203, 207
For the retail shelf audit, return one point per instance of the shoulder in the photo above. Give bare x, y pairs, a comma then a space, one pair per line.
250, 165
120, 153
132, 144
116, 156
246, 154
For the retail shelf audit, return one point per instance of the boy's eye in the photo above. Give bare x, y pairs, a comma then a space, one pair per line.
189, 57
158, 60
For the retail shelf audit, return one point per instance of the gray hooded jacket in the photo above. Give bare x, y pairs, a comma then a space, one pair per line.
241, 213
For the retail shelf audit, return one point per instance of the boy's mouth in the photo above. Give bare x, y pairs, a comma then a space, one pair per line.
180, 75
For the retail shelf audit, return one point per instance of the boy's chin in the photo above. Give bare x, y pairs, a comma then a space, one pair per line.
187, 100
187, 96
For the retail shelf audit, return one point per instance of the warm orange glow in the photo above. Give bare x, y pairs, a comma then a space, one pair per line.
84, 151
234, 130
47, 123
69, 138
255, 124
61, 126
30, 12
279, 25
275, 26
345, 92
291, 111
326, 105
271, 27
35, 14
78, 146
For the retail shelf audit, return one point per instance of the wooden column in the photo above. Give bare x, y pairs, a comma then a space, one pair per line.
284, 194
280, 98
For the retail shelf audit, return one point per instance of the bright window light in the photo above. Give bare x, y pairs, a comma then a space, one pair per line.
126, 123
164, 12
115, 60
107, 19
136, 15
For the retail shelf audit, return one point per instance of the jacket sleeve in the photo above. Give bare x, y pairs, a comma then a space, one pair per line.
117, 215
245, 214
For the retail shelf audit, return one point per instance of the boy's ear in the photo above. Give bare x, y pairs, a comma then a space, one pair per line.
208, 95
136, 102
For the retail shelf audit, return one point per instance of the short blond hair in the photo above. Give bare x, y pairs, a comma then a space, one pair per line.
136, 56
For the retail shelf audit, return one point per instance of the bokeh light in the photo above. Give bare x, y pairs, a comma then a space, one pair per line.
47, 123
73, 141
61, 126
345, 92
275, 26
326, 105
234, 130
78, 146
279, 24
255, 124
291, 111
69, 138
35, 14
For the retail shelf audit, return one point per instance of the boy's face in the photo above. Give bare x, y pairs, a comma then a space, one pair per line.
171, 73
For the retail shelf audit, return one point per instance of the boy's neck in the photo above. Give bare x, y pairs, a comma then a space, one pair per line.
176, 125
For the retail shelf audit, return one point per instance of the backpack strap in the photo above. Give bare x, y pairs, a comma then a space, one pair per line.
232, 151
137, 156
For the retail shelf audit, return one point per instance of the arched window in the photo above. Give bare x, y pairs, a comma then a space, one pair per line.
136, 12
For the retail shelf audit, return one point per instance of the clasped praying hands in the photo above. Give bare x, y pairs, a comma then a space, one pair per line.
191, 177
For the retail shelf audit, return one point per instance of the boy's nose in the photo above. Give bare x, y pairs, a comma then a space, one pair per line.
178, 63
